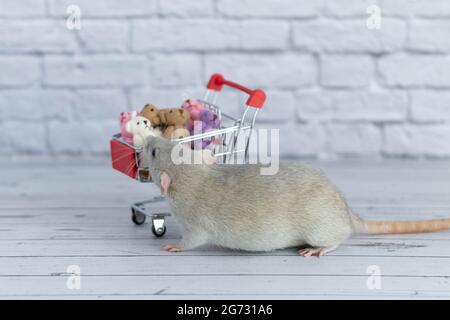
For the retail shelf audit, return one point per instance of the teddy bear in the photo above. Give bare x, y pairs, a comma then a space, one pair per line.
150, 112
173, 121
140, 127
194, 107
202, 120
209, 119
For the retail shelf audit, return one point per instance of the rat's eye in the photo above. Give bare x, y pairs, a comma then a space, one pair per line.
137, 123
154, 152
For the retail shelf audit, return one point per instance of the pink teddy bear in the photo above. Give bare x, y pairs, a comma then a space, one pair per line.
194, 107
124, 118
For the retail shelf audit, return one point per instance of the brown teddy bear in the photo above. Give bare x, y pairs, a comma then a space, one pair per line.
151, 113
173, 121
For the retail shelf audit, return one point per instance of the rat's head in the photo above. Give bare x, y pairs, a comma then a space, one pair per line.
158, 152
168, 160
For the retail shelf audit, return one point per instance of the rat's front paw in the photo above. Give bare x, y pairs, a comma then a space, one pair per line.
171, 248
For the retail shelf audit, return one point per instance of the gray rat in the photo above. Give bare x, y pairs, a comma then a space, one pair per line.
236, 207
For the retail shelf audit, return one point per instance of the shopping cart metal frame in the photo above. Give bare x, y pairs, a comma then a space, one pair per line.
230, 130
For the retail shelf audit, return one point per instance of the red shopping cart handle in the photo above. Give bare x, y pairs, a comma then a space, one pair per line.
256, 97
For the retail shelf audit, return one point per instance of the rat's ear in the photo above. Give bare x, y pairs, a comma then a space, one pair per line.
165, 183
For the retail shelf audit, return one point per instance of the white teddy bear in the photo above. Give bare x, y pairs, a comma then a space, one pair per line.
140, 127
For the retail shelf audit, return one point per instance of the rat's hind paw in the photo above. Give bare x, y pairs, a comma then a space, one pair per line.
171, 248
318, 252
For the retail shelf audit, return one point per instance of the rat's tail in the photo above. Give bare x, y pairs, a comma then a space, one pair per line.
395, 227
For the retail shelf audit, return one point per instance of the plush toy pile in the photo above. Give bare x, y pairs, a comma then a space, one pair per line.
171, 123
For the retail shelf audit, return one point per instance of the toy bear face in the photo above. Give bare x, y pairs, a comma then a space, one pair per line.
194, 107
177, 133
125, 117
174, 117
138, 124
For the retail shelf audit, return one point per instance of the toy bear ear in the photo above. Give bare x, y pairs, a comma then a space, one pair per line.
150, 107
162, 116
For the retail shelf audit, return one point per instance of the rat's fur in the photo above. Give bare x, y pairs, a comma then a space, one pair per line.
234, 206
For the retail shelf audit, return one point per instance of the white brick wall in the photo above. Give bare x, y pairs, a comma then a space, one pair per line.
335, 88
335, 71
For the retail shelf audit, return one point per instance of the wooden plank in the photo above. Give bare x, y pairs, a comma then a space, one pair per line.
119, 214
251, 286
124, 247
174, 265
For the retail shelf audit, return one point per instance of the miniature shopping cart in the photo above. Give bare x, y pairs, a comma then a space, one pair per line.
128, 159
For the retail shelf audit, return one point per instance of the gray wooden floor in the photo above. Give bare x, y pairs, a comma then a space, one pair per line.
54, 216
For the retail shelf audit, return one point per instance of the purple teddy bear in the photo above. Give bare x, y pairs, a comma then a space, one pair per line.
208, 121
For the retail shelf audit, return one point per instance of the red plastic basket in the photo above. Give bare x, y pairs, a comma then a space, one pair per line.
123, 158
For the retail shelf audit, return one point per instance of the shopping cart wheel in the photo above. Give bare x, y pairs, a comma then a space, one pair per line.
137, 217
160, 232
158, 227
